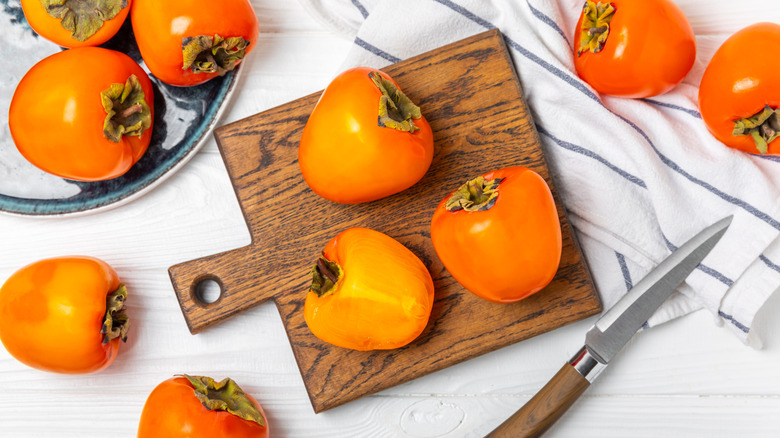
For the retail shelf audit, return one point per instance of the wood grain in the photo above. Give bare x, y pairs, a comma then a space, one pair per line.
471, 96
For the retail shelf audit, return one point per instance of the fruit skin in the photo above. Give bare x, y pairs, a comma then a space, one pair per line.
509, 251
739, 81
382, 299
161, 26
173, 411
346, 157
51, 28
56, 119
650, 49
52, 312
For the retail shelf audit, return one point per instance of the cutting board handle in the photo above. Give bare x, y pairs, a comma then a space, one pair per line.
233, 271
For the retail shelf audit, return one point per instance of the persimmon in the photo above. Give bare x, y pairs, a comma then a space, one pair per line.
365, 139
64, 314
76, 23
189, 42
199, 407
632, 48
84, 114
739, 94
499, 234
368, 292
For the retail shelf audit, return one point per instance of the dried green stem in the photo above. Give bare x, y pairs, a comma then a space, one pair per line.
226, 396
324, 276
594, 30
763, 127
127, 112
477, 194
206, 54
83, 18
396, 110
116, 322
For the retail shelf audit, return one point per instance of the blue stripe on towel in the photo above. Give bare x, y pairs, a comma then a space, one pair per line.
588, 153
769, 263
466, 13
376, 51
694, 113
548, 21
624, 269
736, 323
360, 8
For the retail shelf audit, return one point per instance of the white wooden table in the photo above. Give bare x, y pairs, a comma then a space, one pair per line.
688, 378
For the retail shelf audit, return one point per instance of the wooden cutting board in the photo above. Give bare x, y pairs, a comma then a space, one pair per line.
471, 96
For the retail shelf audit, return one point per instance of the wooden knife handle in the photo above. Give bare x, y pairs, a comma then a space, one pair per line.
546, 407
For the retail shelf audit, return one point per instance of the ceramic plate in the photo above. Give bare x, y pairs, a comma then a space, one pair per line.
183, 120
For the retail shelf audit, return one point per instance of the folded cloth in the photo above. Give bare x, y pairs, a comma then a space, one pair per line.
638, 177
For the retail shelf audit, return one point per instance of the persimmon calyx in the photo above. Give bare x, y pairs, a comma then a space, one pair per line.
594, 30
396, 110
324, 276
116, 322
226, 396
127, 112
205, 54
763, 127
83, 18
478, 194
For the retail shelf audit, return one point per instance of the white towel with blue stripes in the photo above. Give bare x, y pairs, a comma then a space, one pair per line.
633, 195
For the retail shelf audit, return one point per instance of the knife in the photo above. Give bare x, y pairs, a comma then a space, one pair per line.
608, 336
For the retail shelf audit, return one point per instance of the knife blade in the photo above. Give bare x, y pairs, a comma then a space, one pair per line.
608, 336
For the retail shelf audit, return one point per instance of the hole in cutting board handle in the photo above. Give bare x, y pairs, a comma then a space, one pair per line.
207, 290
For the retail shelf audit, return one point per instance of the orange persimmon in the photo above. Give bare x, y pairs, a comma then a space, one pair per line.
368, 292
739, 95
633, 48
188, 42
64, 315
499, 234
84, 114
76, 23
198, 407
364, 140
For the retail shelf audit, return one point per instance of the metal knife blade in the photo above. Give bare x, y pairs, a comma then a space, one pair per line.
621, 322
608, 336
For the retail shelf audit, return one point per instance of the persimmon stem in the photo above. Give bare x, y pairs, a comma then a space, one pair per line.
207, 54
225, 395
478, 194
116, 322
218, 68
762, 127
323, 268
83, 18
127, 112
594, 29
324, 276
396, 110
766, 131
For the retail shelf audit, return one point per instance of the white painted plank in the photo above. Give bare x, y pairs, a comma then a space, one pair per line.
420, 417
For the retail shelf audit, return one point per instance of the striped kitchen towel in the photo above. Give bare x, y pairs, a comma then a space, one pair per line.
632, 195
